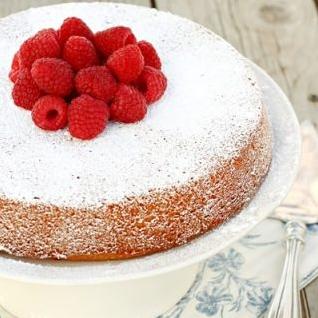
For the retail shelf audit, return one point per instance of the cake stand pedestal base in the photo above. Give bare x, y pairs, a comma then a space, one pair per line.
146, 297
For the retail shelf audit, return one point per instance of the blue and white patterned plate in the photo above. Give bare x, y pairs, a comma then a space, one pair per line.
240, 281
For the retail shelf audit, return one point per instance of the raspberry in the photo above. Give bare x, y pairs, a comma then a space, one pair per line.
74, 26
50, 113
110, 40
72, 65
126, 63
96, 81
43, 44
15, 67
87, 117
79, 52
152, 83
128, 105
53, 76
25, 91
150, 54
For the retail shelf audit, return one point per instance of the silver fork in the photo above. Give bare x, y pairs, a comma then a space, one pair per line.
299, 209
286, 303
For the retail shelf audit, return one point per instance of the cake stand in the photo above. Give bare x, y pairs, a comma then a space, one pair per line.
146, 287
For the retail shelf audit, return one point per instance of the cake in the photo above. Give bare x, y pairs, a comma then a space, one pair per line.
195, 161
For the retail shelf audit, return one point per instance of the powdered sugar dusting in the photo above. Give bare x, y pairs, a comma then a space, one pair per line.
209, 111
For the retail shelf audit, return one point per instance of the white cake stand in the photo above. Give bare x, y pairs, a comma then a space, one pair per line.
148, 286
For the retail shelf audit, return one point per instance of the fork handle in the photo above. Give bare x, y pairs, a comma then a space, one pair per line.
286, 303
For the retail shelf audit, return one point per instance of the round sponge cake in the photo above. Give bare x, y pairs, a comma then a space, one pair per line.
196, 160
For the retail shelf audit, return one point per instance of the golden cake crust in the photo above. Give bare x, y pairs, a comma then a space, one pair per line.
139, 225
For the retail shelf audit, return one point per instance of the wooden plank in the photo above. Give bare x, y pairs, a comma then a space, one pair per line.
312, 296
279, 35
304, 304
11, 6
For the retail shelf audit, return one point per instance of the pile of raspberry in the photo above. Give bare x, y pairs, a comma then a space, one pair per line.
73, 77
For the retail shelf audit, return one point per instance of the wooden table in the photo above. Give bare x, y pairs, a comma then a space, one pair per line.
279, 35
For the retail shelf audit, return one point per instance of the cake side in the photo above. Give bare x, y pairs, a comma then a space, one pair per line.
139, 225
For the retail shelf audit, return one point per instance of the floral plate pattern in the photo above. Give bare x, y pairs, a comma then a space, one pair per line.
240, 281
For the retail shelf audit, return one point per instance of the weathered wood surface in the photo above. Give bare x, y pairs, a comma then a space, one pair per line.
279, 35
11, 6
312, 297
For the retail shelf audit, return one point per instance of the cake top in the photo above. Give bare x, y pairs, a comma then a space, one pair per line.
209, 111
